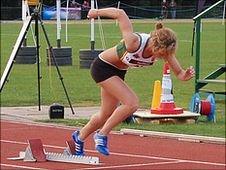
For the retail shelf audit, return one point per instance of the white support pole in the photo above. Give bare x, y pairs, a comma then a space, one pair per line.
118, 6
58, 3
92, 27
66, 35
24, 10
24, 16
28, 14
101, 29
223, 19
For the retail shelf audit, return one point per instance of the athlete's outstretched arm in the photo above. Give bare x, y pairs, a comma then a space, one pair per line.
180, 73
131, 39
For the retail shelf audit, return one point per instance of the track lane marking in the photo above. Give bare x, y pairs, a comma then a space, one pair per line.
24, 167
142, 164
131, 165
129, 155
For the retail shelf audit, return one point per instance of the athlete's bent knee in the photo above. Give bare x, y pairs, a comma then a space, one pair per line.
133, 105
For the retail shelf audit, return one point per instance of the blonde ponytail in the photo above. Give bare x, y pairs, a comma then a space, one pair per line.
158, 25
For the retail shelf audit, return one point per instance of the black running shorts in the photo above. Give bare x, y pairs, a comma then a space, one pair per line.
101, 71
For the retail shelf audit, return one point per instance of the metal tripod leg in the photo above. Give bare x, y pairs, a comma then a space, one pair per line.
35, 17
55, 63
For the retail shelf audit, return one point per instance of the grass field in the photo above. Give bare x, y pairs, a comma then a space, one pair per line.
21, 90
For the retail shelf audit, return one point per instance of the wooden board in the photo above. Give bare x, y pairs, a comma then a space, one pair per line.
183, 118
148, 114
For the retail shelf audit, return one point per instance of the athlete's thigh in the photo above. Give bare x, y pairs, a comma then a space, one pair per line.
119, 89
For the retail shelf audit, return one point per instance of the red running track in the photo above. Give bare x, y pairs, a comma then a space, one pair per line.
127, 151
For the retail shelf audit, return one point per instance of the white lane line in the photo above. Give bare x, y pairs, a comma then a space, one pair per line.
8, 129
39, 124
131, 155
24, 167
131, 165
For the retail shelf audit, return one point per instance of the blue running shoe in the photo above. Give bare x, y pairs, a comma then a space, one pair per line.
78, 144
101, 143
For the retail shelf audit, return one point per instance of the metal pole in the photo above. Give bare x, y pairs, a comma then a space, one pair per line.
24, 15
118, 6
66, 35
193, 38
208, 9
24, 9
58, 3
36, 15
92, 41
197, 53
223, 19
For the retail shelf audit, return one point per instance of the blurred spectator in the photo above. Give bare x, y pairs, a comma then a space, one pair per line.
85, 9
164, 9
200, 6
75, 4
85, 5
173, 8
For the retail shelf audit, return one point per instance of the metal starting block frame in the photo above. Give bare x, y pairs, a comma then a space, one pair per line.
36, 153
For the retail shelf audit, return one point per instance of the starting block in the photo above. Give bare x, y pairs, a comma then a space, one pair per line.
70, 149
36, 153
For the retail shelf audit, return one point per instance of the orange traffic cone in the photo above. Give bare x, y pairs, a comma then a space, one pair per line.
167, 105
